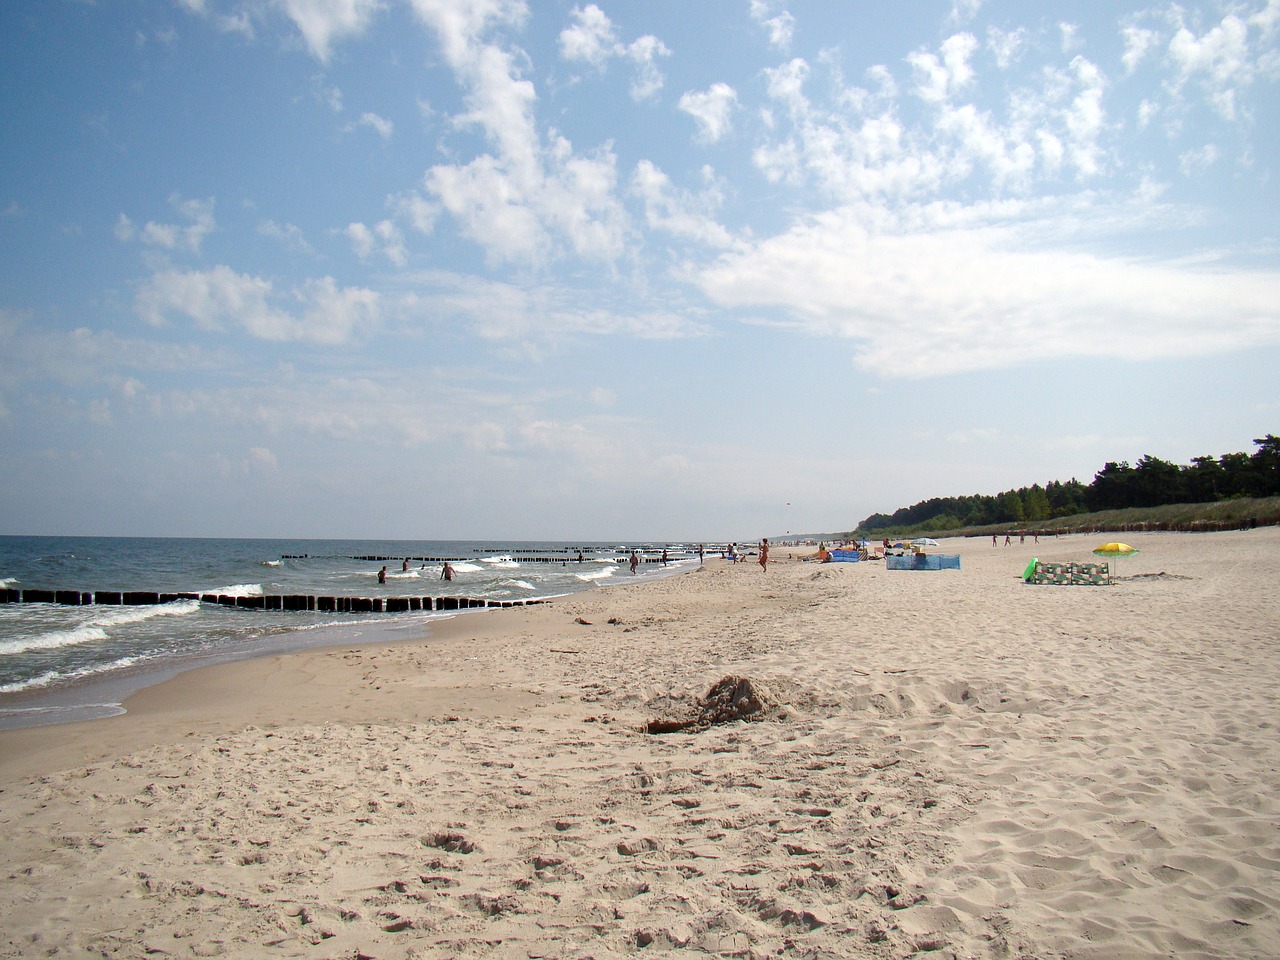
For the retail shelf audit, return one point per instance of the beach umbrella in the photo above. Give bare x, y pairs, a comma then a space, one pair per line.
924, 542
1113, 552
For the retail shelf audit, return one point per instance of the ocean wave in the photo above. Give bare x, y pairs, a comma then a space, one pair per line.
97, 628
500, 561
465, 566
604, 573
271, 563
238, 590
50, 677
404, 575
7, 582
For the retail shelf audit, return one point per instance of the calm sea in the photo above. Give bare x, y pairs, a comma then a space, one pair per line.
60, 663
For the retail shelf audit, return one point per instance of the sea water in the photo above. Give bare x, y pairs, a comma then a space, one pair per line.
61, 663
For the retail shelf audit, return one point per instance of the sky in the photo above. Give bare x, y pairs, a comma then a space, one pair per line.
497, 269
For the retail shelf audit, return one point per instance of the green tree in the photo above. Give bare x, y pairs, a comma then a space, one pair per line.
1265, 479
1204, 480
1009, 507
1156, 482
1036, 503
1236, 472
1112, 487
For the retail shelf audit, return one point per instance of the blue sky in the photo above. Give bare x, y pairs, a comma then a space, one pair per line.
504, 269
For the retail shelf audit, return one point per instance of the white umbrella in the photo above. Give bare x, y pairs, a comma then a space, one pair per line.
924, 542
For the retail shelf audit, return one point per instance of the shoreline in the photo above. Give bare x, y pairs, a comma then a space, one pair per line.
104, 697
952, 761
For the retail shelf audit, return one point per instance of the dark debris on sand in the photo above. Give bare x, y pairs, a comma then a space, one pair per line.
729, 699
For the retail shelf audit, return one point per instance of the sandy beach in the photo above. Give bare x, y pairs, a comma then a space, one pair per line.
950, 764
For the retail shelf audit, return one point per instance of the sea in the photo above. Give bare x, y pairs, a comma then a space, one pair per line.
61, 663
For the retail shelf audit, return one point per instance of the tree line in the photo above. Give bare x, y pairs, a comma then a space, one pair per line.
1151, 482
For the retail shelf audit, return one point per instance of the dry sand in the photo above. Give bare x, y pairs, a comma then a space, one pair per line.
950, 763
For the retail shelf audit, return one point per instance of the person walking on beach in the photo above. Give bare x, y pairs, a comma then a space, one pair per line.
701, 553
993, 540
664, 558
764, 553
635, 561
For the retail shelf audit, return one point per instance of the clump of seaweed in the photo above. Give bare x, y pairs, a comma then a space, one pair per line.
729, 699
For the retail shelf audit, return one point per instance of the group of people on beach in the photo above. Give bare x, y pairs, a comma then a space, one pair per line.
446, 572
733, 555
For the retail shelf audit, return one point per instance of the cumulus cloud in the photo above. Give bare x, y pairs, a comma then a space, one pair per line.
531, 197
1195, 162
379, 125
781, 26
219, 299
675, 211
323, 22
186, 237
385, 238
942, 75
1219, 59
592, 38
712, 109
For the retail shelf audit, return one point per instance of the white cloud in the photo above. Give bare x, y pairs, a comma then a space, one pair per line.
592, 38
322, 22
1138, 42
384, 238
943, 289
290, 236
380, 125
1070, 36
168, 236
1219, 59
781, 26
1007, 46
962, 11
530, 198
676, 212
940, 76
1085, 117
1195, 162
220, 298
644, 53
536, 315
712, 110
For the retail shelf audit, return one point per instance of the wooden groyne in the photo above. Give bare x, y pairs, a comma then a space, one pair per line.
283, 602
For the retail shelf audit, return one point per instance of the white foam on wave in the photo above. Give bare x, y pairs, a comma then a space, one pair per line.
271, 563
465, 566
500, 561
7, 582
404, 575
603, 573
97, 628
239, 590
57, 676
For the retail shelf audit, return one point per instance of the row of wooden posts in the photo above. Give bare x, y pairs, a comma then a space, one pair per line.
292, 602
